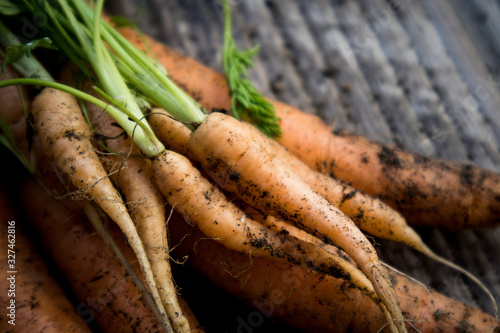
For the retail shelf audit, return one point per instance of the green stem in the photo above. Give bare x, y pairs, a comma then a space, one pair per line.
151, 78
88, 34
246, 102
172, 99
138, 122
81, 32
150, 147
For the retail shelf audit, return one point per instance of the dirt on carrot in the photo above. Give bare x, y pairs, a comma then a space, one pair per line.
249, 167
369, 214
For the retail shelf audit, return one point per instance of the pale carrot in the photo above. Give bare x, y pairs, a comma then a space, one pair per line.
175, 135
65, 139
172, 133
145, 202
369, 214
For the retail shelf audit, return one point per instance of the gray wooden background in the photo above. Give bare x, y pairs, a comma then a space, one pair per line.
422, 75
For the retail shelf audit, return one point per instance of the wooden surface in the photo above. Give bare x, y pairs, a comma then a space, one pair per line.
422, 75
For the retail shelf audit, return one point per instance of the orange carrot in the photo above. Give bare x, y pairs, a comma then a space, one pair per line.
31, 299
370, 214
244, 164
172, 133
426, 191
206, 206
175, 135
107, 293
353, 278
312, 304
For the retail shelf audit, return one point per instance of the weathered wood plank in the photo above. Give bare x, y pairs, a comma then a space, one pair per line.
283, 79
442, 138
480, 19
343, 69
380, 76
434, 57
468, 62
308, 61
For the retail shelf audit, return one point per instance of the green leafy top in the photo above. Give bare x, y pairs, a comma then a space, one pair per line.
246, 102
14, 53
9, 8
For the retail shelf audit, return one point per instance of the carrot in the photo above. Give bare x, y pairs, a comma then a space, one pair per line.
108, 295
172, 133
425, 191
65, 138
203, 204
280, 247
385, 284
175, 134
310, 303
146, 204
50, 226
355, 277
243, 164
368, 213
31, 298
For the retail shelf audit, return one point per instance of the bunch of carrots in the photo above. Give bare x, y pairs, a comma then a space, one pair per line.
114, 132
